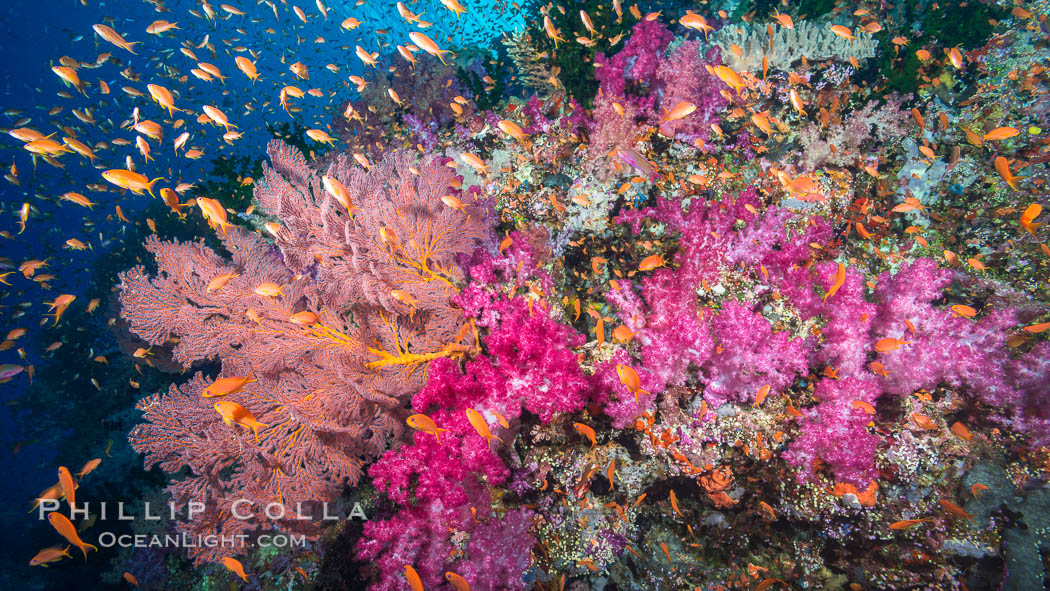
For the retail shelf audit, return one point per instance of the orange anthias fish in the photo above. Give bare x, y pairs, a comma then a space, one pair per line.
414, 582
475, 162
235, 567
889, 344
232, 413
220, 281
428, 45
247, 66
961, 431
844, 32
132, 181
49, 555
421, 422
760, 397
1002, 166
784, 20
586, 431
695, 22
907, 523
458, 582
864, 405
65, 479
629, 378
651, 262
1028, 218
674, 504
481, 425
228, 385
304, 318
214, 212
680, 111
955, 510
89, 467
512, 129
67, 530
840, 279
321, 136
1000, 133
113, 37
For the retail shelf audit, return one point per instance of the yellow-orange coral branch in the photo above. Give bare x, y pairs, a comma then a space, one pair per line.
386, 359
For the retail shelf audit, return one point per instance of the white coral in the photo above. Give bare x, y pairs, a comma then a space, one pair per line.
815, 41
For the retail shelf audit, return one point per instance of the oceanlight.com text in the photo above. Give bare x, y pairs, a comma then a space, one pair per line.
109, 540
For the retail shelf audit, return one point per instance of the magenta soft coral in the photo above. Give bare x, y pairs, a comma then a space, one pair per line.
944, 347
835, 432
848, 317
684, 79
674, 337
529, 365
436, 485
637, 62
750, 356
648, 85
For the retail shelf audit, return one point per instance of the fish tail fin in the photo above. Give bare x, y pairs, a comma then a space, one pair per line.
128, 46
84, 548
149, 185
255, 428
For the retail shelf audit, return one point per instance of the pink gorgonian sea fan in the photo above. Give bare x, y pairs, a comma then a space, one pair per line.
335, 322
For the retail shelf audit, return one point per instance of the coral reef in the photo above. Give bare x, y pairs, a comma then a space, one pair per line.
691, 313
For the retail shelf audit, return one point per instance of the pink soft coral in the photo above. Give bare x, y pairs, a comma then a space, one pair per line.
750, 356
835, 432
